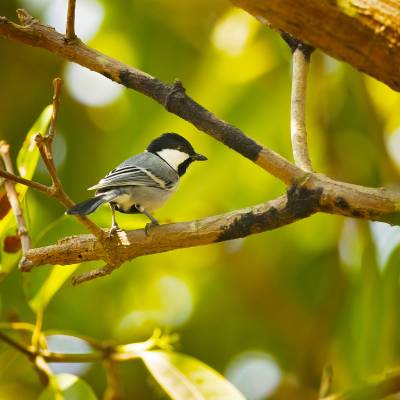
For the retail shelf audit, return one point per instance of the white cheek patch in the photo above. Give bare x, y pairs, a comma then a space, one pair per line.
173, 157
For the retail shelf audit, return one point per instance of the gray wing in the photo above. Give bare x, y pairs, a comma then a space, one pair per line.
145, 169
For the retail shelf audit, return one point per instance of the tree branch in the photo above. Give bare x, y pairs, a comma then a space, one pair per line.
13, 343
44, 144
70, 30
50, 192
127, 245
300, 202
113, 353
13, 199
178, 102
32, 184
300, 60
363, 33
315, 192
172, 97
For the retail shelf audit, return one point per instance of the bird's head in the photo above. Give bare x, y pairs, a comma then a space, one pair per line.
175, 150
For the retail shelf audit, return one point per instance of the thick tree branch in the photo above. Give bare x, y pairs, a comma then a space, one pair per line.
300, 202
12, 196
364, 33
131, 244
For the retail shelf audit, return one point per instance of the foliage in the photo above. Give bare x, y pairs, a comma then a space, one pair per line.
68, 387
184, 377
294, 299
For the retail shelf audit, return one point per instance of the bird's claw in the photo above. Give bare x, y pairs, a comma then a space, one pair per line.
148, 226
113, 230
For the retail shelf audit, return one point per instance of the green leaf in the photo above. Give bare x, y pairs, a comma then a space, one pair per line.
27, 160
185, 378
68, 387
57, 277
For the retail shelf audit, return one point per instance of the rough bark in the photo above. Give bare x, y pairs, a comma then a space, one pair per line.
363, 33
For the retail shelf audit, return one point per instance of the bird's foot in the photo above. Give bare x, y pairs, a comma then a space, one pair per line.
113, 230
149, 226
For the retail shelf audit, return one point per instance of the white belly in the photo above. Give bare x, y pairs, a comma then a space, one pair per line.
149, 198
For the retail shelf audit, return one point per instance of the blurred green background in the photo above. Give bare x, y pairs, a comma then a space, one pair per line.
269, 311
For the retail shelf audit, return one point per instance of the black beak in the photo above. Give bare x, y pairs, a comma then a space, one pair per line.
199, 157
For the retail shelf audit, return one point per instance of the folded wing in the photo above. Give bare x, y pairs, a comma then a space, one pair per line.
151, 172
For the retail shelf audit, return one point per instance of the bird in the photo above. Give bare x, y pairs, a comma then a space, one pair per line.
144, 182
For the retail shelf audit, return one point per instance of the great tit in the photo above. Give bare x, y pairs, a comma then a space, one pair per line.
143, 183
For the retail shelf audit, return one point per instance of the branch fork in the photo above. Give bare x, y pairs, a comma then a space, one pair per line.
308, 192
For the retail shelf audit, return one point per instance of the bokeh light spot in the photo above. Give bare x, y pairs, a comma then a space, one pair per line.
90, 88
350, 245
233, 32
393, 146
35, 6
89, 15
255, 374
386, 239
169, 304
68, 344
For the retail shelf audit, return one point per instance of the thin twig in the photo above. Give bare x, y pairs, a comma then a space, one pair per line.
56, 190
32, 184
17, 326
12, 196
93, 274
13, 343
44, 144
114, 353
70, 29
48, 191
57, 84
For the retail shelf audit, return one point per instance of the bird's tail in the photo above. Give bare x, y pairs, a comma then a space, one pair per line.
88, 206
